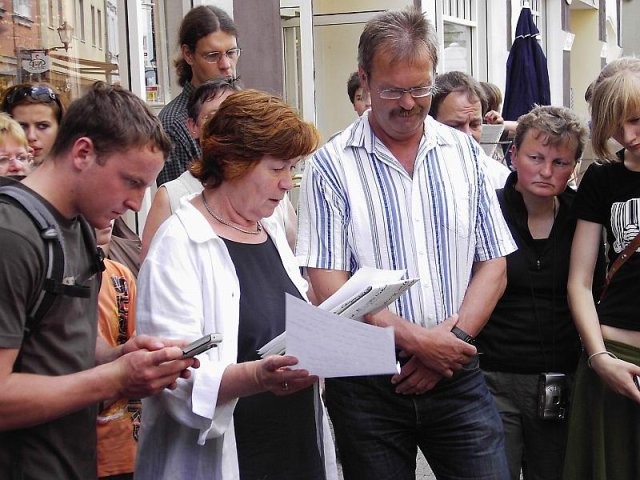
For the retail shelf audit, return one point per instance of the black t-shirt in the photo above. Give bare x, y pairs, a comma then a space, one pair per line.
63, 343
276, 437
609, 194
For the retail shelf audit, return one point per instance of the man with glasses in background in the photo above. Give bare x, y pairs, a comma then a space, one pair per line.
397, 190
458, 103
208, 41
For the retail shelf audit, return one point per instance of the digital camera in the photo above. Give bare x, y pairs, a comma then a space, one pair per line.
552, 396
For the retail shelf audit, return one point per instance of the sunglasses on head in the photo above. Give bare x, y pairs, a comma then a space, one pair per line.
39, 93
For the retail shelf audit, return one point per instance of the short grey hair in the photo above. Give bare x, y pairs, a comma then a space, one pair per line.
407, 34
557, 124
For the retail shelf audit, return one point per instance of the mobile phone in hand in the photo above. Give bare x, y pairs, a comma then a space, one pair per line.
636, 380
201, 345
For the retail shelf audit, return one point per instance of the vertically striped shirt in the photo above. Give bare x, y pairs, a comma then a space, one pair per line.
359, 207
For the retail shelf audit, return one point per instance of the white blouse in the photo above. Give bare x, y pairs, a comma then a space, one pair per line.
188, 287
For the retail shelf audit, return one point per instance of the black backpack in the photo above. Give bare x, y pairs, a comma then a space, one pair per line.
54, 283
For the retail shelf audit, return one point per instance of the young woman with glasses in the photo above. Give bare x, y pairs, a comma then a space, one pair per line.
38, 109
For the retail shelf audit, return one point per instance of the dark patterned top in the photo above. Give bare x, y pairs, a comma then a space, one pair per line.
185, 148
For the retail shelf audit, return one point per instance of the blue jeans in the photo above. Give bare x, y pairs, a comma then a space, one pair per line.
456, 425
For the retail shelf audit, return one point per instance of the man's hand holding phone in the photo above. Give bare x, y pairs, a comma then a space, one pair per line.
201, 345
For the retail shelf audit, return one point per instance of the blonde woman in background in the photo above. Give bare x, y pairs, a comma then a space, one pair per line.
604, 428
14, 149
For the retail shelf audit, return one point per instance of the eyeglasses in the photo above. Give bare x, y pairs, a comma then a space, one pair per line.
415, 92
214, 57
22, 158
209, 116
39, 93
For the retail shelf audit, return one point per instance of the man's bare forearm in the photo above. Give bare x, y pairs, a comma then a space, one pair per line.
487, 285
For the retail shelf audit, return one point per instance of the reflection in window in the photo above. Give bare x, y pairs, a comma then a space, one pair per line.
99, 29
460, 18
81, 19
54, 13
47, 47
149, 43
462, 9
536, 10
23, 8
290, 18
537, 14
457, 48
93, 26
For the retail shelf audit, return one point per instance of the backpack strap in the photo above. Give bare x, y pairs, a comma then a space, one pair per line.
54, 283
53, 248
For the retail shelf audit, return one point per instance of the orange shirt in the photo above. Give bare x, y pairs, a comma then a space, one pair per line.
118, 423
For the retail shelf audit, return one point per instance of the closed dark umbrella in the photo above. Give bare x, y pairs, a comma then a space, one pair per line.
527, 75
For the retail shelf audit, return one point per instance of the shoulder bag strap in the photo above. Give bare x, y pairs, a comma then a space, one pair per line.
619, 261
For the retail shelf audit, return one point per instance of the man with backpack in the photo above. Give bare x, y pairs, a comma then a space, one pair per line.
53, 372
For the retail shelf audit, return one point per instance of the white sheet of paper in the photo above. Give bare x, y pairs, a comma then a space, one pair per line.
367, 291
363, 277
331, 346
490, 137
375, 299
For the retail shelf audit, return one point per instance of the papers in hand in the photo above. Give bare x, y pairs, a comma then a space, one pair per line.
369, 290
330, 346
490, 137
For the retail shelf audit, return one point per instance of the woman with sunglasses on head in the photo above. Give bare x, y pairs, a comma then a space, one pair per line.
14, 156
39, 110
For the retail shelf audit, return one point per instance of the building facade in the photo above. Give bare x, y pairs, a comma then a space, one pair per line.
301, 49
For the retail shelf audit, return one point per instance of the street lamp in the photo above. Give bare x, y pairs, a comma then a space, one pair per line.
65, 31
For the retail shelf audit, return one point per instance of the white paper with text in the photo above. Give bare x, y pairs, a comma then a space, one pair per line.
329, 346
369, 290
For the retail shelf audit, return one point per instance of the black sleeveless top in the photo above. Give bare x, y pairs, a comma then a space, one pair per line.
276, 437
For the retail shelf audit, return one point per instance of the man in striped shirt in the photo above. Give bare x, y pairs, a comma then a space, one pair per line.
398, 190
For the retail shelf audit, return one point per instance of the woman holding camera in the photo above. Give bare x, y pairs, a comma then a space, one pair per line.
529, 347
237, 416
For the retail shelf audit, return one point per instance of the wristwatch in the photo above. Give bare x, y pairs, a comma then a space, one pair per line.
462, 335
